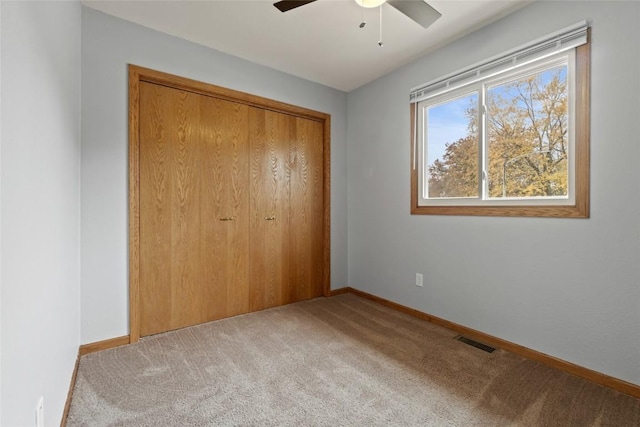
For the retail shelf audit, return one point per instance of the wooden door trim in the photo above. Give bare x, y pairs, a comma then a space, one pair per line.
326, 241
139, 74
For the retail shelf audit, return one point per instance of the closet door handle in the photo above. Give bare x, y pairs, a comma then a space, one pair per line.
270, 218
227, 218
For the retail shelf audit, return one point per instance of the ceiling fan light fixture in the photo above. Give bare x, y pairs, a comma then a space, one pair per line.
370, 3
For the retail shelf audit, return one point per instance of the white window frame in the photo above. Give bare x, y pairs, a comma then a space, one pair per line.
480, 87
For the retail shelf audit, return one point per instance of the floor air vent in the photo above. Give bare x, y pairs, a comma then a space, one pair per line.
475, 344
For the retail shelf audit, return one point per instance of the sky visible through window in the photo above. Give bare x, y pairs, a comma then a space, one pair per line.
447, 123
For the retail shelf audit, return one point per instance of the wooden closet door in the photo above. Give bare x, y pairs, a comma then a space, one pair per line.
169, 209
193, 167
286, 209
306, 210
270, 176
225, 206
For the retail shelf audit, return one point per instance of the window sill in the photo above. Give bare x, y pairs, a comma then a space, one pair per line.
526, 211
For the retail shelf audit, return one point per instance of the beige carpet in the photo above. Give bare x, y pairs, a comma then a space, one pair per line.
340, 361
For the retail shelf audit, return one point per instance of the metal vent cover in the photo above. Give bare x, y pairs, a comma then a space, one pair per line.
475, 344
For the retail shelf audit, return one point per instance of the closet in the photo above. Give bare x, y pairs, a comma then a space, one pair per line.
228, 203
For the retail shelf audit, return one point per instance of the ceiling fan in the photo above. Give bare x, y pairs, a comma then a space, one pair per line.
417, 10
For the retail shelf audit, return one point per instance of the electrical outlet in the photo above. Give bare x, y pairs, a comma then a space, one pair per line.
40, 412
419, 279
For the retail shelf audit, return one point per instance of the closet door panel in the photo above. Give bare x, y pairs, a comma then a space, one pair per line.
170, 209
194, 209
270, 176
225, 207
306, 210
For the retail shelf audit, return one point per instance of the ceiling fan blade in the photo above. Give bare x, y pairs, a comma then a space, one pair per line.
286, 5
417, 10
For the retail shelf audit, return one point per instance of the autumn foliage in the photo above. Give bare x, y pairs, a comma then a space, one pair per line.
527, 143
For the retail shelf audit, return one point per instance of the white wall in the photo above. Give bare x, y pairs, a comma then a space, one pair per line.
566, 287
108, 44
0, 212
40, 193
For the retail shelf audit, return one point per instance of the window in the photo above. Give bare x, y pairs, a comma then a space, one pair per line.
509, 137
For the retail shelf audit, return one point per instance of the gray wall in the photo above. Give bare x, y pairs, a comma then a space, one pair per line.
569, 288
40, 207
108, 44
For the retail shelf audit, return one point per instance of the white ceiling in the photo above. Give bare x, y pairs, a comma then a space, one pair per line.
321, 41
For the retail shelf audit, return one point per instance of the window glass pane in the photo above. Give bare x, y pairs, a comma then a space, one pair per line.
452, 147
527, 136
